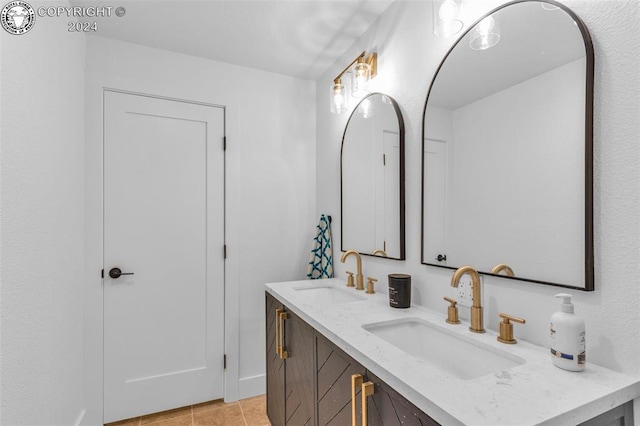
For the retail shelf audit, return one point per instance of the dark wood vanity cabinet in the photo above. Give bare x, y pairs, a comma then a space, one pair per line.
387, 407
334, 388
309, 380
275, 364
290, 358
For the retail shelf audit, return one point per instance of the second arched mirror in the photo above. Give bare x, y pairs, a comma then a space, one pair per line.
507, 148
372, 179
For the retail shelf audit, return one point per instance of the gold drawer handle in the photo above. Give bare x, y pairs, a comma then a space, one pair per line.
278, 311
356, 382
367, 391
283, 353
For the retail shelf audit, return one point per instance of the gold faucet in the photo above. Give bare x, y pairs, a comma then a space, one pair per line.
379, 252
503, 267
476, 309
359, 276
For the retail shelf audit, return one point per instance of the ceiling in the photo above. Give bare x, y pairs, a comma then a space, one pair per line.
300, 38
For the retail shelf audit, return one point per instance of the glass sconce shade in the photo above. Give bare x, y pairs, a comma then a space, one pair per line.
445, 15
365, 108
485, 34
338, 98
361, 76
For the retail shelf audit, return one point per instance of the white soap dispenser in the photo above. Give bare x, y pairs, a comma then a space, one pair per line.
568, 349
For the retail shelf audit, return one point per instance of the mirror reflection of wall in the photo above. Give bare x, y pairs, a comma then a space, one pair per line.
372, 179
507, 148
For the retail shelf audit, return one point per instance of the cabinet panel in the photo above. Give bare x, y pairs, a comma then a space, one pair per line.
300, 373
386, 407
619, 416
275, 365
334, 384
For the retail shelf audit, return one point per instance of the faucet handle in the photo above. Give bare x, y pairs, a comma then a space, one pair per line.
350, 279
452, 311
506, 328
370, 283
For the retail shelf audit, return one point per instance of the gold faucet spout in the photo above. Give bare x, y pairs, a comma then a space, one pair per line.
503, 267
359, 276
476, 310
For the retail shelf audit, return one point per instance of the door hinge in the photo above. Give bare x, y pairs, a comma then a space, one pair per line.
224, 249
224, 143
102, 274
225, 361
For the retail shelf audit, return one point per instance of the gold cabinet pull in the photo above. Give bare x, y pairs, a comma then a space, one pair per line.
356, 382
367, 391
283, 353
278, 311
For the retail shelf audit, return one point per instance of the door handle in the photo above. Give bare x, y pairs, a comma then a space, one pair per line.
367, 390
116, 272
356, 382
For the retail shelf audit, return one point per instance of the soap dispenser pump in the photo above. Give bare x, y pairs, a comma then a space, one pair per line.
568, 348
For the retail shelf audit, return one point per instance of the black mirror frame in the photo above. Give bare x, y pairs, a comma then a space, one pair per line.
401, 200
588, 160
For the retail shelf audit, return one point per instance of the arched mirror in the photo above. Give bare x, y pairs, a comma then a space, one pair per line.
507, 148
372, 179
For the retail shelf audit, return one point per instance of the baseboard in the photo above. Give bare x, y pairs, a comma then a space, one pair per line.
80, 418
252, 386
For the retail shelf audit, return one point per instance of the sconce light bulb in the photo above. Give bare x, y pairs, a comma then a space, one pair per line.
361, 74
485, 26
448, 11
365, 108
445, 16
338, 99
485, 34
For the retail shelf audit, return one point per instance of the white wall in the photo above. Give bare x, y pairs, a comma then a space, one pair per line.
408, 56
41, 184
270, 197
493, 220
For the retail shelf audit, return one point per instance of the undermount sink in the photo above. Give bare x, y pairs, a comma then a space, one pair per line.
328, 295
458, 356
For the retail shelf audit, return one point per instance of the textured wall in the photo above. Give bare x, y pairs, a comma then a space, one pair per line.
408, 57
41, 182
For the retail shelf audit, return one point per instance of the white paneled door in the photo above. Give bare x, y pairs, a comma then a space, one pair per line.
163, 254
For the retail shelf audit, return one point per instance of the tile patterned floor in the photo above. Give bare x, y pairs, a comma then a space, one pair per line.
246, 412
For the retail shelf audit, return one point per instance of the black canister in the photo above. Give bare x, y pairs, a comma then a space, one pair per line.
399, 290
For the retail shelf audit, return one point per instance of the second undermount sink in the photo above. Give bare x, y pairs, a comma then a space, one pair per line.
327, 294
456, 355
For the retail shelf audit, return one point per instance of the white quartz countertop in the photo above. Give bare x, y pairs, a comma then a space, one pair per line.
534, 393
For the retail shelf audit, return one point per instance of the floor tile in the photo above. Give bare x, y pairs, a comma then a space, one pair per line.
255, 411
211, 405
128, 422
229, 415
165, 415
186, 420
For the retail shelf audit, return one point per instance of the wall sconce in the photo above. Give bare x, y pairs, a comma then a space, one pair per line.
339, 101
366, 67
485, 34
445, 17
